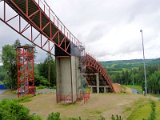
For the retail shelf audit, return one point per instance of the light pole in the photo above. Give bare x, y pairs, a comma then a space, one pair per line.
144, 64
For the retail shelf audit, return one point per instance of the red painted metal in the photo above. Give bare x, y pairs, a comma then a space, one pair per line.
68, 98
86, 97
93, 64
25, 70
44, 29
64, 98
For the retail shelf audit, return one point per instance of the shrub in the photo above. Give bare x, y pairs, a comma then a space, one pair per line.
54, 116
41, 87
40, 80
101, 118
12, 110
37, 117
116, 117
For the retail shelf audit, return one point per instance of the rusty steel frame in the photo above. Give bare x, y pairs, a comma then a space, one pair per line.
25, 70
90, 62
53, 22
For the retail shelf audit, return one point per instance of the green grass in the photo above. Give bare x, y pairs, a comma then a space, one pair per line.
137, 87
156, 95
41, 87
1, 82
142, 110
10, 92
24, 99
158, 110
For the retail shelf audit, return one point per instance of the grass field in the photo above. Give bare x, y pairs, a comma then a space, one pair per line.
129, 106
158, 110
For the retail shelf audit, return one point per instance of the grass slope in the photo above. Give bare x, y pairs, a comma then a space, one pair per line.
142, 110
158, 110
137, 87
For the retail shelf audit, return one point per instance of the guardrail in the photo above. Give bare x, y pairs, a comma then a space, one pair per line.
57, 22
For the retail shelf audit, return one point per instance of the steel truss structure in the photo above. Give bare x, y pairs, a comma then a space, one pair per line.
25, 70
91, 63
36, 22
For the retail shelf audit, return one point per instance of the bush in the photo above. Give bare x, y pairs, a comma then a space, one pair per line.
12, 110
40, 80
54, 116
41, 87
101, 118
116, 117
37, 117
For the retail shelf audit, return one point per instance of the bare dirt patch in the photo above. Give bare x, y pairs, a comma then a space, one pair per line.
98, 104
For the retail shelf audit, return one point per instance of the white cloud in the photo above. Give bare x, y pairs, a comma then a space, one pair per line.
109, 29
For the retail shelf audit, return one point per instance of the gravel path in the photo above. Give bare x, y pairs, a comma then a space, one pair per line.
2, 91
6, 94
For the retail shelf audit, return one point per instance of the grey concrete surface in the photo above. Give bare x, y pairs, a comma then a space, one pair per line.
68, 77
2, 91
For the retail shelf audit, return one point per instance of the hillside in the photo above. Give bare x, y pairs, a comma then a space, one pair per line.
128, 64
131, 72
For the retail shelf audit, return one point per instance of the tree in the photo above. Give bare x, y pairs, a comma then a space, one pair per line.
40, 80
154, 83
2, 74
47, 70
9, 64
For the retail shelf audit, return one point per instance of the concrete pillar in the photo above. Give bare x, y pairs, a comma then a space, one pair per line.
97, 81
77, 77
68, 78
104, 89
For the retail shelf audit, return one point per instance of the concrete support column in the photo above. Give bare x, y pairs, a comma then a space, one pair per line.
68, 78
97, 81
105, 90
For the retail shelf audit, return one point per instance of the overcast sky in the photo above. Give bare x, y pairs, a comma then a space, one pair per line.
109, 29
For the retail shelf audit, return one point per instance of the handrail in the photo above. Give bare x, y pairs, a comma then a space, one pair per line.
57, 22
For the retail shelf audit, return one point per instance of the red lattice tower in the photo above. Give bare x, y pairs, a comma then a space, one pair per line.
25, 70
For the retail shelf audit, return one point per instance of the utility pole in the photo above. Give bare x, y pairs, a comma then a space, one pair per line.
144, 63
49, 69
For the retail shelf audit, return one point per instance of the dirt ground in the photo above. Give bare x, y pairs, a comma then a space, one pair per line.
98, 104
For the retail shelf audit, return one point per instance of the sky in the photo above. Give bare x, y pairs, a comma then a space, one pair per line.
109, 29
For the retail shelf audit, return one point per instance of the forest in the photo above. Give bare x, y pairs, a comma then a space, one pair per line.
131, 72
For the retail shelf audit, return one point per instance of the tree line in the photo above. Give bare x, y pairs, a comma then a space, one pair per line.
45, 73
135, 76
